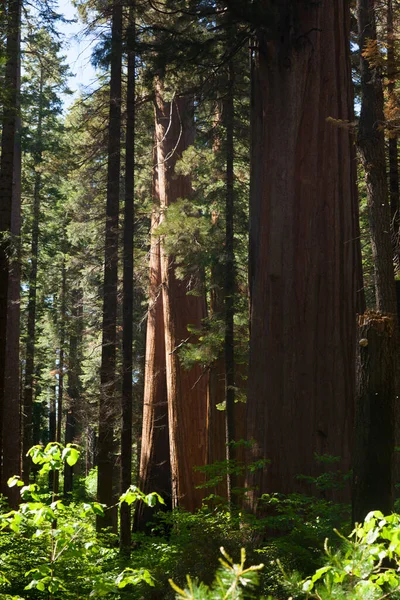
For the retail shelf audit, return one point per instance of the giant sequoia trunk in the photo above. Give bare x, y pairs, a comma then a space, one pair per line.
155, 470
107, 406
186, 389
303, 243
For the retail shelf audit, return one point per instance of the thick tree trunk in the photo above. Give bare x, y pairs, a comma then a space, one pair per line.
304, 250
107, 407
11, 413
7, 170
155, 469
187, 390
127, 308
31, 310
374, 443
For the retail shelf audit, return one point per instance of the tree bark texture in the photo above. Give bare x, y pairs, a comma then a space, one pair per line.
127, 304
371, 145
229, 282
7, 170
27, 421
393, 150
304, 250
107, 406
60, 395
374, 434
186, 389
155, 469
11, 414
74, 384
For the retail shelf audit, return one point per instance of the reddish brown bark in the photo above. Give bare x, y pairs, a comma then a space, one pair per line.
304, 256
186, 389
155, 470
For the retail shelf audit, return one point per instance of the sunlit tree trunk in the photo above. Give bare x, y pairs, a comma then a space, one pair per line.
155, 470
186, 389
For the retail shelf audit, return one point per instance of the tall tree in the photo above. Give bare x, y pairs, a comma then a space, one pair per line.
303, 244
377, 371
31, 318
11, 414
127, 305
107, 405
155, 470
393, 150
186, 389
7, 171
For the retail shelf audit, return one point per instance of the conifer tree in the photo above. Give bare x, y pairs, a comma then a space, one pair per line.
107, 405
7, 171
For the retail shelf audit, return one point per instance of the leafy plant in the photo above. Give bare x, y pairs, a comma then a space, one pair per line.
231, 581
366, 568
65, 534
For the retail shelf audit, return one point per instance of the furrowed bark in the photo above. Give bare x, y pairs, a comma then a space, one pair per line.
304, 250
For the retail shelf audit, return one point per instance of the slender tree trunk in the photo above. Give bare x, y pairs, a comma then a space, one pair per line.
377, 371
31, 310
186, 389
127, 308
11, 414
229, 281
393, 151
74, 385
61, 355
53, 475
7, 170
304, 251
155, 469
216, 419
107, 408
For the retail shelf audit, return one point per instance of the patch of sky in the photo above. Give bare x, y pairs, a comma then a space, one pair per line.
77, 50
